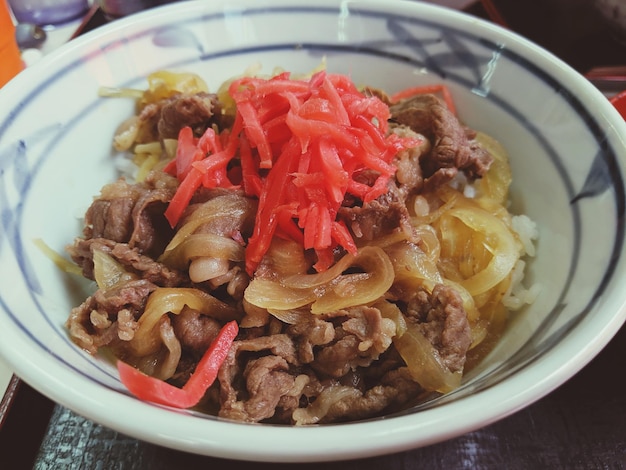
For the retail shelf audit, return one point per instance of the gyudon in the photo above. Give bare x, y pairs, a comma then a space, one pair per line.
298, 251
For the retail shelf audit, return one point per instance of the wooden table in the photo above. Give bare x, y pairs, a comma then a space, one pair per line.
581, 425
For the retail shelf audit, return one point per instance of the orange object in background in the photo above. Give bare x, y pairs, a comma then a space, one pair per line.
10, 59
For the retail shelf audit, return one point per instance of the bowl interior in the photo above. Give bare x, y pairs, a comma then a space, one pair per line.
563, 141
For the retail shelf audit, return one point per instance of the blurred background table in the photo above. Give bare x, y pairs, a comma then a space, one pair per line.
581, 425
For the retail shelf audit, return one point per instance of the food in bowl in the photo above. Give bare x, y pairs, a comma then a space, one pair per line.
299, 250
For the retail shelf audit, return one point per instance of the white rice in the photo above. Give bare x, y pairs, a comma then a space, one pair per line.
518, 295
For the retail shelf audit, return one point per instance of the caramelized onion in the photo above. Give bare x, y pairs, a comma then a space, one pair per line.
202, 245
330, 290
424, 362
358, 289
269, 294
126, 134
108, 273
392, 311
439, 202
163, 84
166, 300
232, 207
496, 240
413, 265
206, 268
494, 185
286, 257
429, 242
316, 411
311, 281
469, 302
290, 317
168, 366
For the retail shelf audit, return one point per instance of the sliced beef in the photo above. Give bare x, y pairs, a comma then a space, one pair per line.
94, 323
443, 320
409, 175
237, 209
310, 334
392, 391
278, 344
378, 93
381, 216
256, 376
110, 218
361, 335
131, 259
452, 148
268, 380
164, 119
195, 331
266, 377
336, 359
133, 214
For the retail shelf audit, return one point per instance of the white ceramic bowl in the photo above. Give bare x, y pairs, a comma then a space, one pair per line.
568, 160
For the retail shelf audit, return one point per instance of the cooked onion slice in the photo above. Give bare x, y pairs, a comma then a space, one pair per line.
206, 268
495, 184
126, 134
172, 344
489, 253
233, 207
202, 245
392, 311
321, 406
413, 265
270, 294
108, 272
424, 362
330, 290
166, 300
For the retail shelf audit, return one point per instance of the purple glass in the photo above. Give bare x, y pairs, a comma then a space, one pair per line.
47, 12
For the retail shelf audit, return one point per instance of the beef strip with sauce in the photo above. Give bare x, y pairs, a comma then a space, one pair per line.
165, 119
